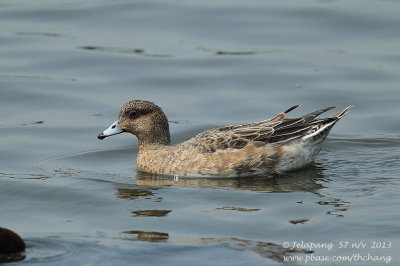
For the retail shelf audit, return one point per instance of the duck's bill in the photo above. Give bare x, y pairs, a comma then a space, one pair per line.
114, 129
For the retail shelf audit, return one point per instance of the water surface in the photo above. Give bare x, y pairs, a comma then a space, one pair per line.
66, 68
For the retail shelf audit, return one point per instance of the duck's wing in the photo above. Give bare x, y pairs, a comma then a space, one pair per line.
275, 131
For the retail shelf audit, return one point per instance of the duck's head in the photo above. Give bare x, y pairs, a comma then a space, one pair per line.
143, 119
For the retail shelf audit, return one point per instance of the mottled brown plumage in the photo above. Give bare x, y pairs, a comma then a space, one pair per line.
276, 144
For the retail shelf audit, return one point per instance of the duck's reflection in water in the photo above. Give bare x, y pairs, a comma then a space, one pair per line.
132, 193
306, 179
135, 235
310, 179
269, 250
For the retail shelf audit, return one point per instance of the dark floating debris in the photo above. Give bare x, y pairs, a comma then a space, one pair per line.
32, 123
151, 213
11, 246
42, 34
88, 47
114, 49
299, 221
24, 124
237, 209
239, 52
235, 53
121, 50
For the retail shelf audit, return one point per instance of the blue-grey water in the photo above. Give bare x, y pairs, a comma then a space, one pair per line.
67, 66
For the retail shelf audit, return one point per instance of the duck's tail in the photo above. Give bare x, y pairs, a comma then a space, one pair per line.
321, 127
303, 152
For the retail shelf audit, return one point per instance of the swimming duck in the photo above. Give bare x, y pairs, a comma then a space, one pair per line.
274, 145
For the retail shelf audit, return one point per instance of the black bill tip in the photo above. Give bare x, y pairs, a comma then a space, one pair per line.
101, 136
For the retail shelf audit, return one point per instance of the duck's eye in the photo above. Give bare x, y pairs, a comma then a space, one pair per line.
133, 114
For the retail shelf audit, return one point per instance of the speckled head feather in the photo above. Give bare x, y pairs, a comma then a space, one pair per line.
146, 121
273, 145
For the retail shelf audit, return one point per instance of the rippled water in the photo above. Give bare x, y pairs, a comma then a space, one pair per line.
66, 68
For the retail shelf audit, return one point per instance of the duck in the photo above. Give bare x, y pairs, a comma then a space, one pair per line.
275, 145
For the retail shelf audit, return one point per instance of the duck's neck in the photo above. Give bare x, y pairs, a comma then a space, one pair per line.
154, 140
143, 143
155, 134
